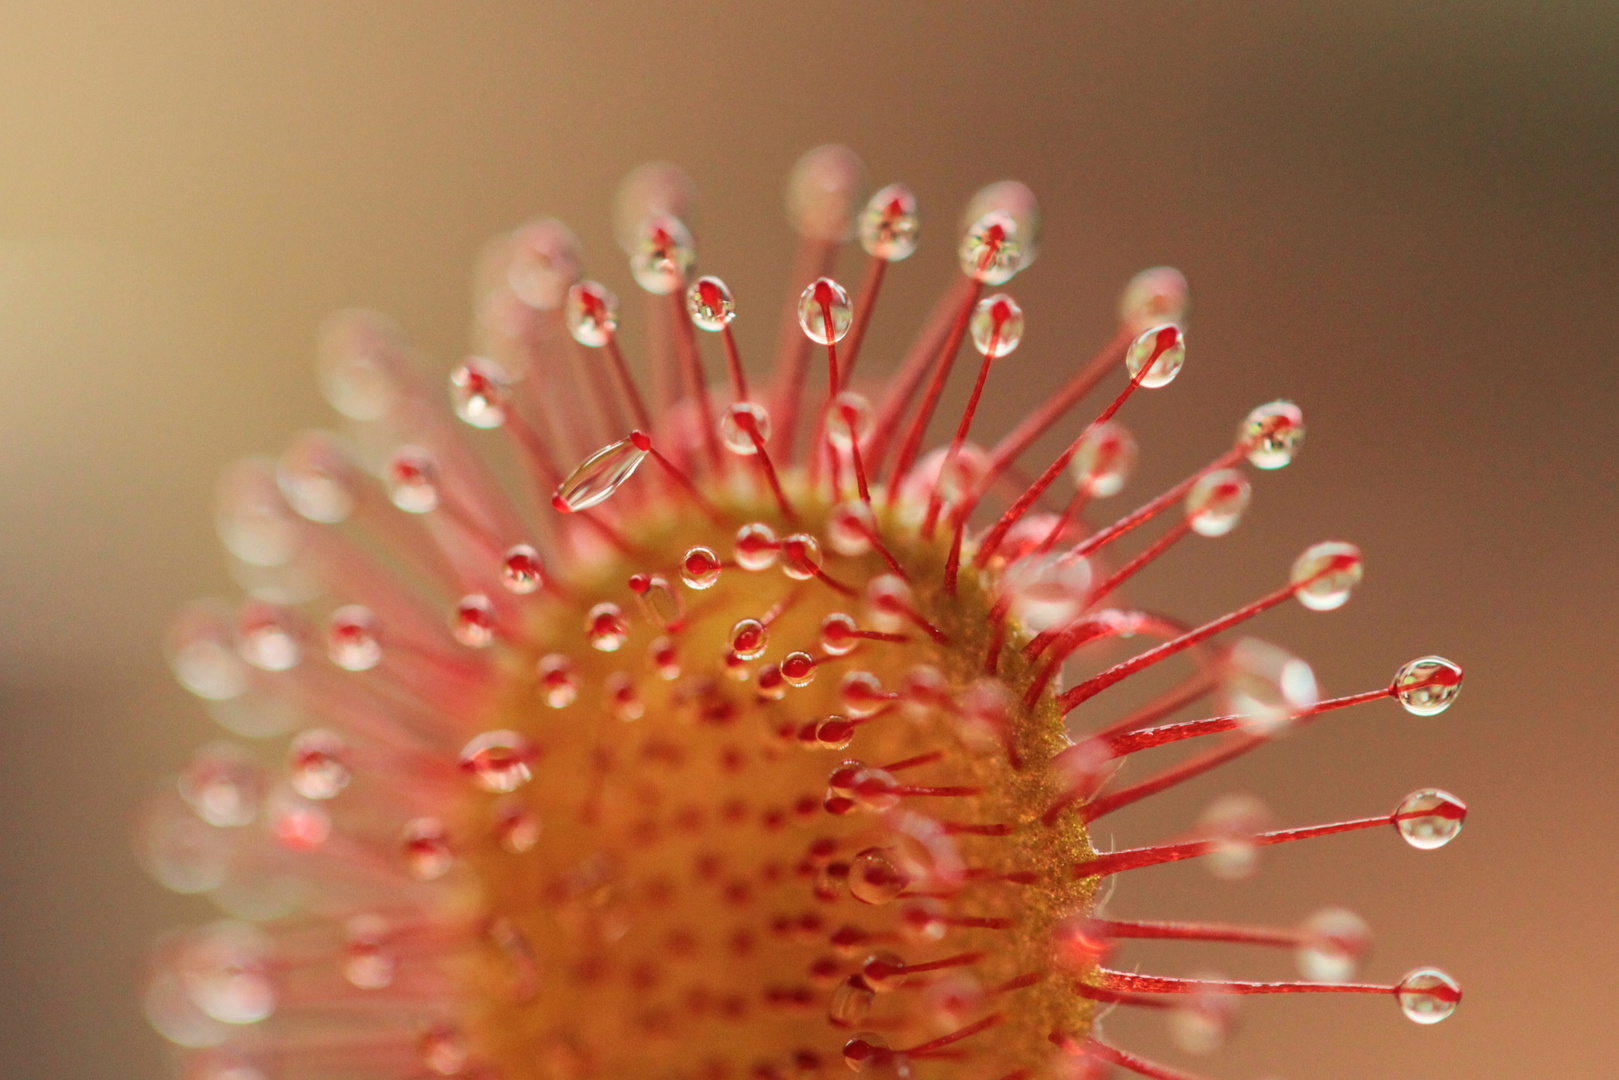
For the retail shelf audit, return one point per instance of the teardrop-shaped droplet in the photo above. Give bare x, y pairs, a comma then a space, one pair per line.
710, 305
824, 311
996, 326
1428, 995
412, 480
890, 227
800, 556
862, 694
226, 969
203, 655
1325, 574
663, 255
545, 260
850, 528
659, 600
1160, 352
744, 428
1102, 464
749, 639
479, 391
598, 476
851, 1003
517, 828
592, 314
889, 600
521, 570
1230, 824
425, 847
444, 1051
473, 623
316, 764
623, 699
605, 628
1430, 818
990, 251
875, 877
1047, 589
1427, 686
498, 761
253, 518
700, 568
1215, 504
351, 638
1272, 434
317, 478
665, 655
557, 683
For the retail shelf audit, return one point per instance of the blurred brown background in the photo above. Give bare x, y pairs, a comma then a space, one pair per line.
1401, 215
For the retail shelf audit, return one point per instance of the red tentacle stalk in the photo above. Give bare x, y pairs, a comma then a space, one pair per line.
865, 303
691, 365
745, 421
814, 258
1145, 513
930, 397
1159, 984
928, 1048
1137, 858
902, 386
733, 364
626, 383
643, 441
1196, 931
1146, 739
1001, 314
1141, 1066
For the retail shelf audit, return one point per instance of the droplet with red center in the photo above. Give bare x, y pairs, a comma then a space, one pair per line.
749, 639
412, 480
598, 476
883, 971
875, 877
659, 600
474, 621
1325, 574
1104, 459
479, 392
744, 427
521, 570
833, 733
850, 527
605, 628
592, 313
665, 655
1430, 818
890, 227
824, 311
989, 251
425, 847
798, 668
663, 255
710, 305
876, 790
1428, 995
756, 546
297, 823
269, 637
1272, 434
851, 1003
316, 765
1076, 946
848, 420
1267, 686
545, 260
769, 683
800, 556
1160, 352
368, 963
1333, 942
623, 700
556, 680
516, 827
889, 602
700, 568
1427, 686
862, 694
498, 761
839, 634
1215, 504
316, 476
444, 1051
351, 638
223, 785
1153, 297
996, 326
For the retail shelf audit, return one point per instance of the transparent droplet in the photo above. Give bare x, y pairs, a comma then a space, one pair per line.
1153, 297
663, 255
1272, 434
521, 570
356, 358
851, 1003
517, 829
1161, 352
889, 225
592, 314
480, 391
315, 764
556, 680
368, 964
954, 484
749, 639
315, 477
1332, 569
824, 311
598, 476
351, 638
1334, 942
1215, 504
744, 428
444, 1051
1427, 686
710, 305
848, 420
884, 971
924, 692
1201, 1022
1102, 464
822, 190
473, 623
800, 556
665, 656
655, 187
862, 694
659, 600
833, 733
757, 547
297, 823
990, 251
889, 603
425, 847
269, 636
412, 480
225, 969
1428, 995
839, 634
850, 528
876, 790
223, 785
1047, 589
202, 653
180, 850
1014, 199
875, 877
545, 260
996, 326
252, 518
1231, 822
605, 628
1076, 946
1430, 818
700, 568
1267, 686
798, 668
498, 761
623, 700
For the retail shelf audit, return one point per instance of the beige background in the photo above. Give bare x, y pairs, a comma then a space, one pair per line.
1399, 214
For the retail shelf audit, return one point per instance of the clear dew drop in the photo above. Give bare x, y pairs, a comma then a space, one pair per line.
351, 638
1215, 504
203, 655
516, 827
498, 761
800, 556
757, 547
1332, 568
1267, 686
839, 634
862, 694
598, 476
663, 255
223, 785
1153, 297
850, 527
225, 969
592, 314
556, 680
479, 392
1430, 818
700, 568
269, 636
890, 227
848, 420
769, 684
1047, 589
996, 326
252, 518
314, 477
545, 260
1428, 685
444, 1051
876, 790
710, 304
1075, 945
659, 601
1230, 823
605, 628
1201, 1022
1334, 942
521, 570
749, 639
1102, 464
411, 477
798, 668
884, 971
851, 1003
1160, 352
355, 361
1428, 995
368, 963
833, 733
745, 427
623, 700
665, 656
425, 847
875, 877
1272, 434
889, 603
316, 766
825, 311
473, 623
990, 251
